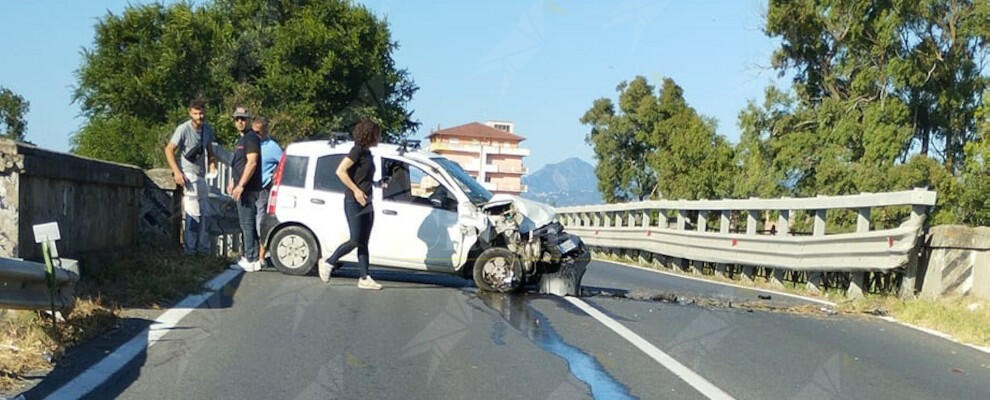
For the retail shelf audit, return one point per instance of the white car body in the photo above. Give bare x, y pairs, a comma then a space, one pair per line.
429, 216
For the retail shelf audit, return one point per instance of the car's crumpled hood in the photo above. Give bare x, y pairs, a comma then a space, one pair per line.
535, 214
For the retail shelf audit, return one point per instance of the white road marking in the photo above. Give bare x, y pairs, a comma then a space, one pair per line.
696, 381
96, 375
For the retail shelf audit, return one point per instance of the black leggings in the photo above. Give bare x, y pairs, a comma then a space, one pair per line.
359, 220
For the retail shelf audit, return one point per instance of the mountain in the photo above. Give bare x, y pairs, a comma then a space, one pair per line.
567, 183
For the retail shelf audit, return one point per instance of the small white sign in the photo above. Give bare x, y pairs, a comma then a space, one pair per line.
45, 232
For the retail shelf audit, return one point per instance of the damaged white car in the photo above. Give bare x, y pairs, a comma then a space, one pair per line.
430, 215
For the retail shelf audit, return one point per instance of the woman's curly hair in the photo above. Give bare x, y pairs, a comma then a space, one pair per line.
366, 133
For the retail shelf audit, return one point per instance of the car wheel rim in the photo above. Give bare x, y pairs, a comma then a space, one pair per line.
292, 251
498, 273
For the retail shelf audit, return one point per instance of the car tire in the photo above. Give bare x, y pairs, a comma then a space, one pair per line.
497, 270
294, 251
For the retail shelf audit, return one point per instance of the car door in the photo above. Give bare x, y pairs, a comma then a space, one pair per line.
323, 206
415, 220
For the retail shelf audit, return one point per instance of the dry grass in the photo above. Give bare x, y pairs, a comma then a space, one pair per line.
967, 319
142, 278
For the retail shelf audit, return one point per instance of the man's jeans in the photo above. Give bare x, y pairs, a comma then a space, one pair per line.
195, 203
197, 236
262, 205
247, 213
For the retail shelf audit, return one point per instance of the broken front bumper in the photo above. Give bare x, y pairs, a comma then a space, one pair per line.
566, 281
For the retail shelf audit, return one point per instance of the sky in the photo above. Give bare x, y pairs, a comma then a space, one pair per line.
538, 63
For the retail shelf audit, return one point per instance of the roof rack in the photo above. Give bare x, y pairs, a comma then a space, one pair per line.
337, 138
406, 145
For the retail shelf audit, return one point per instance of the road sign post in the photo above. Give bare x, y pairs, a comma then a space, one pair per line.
47, 234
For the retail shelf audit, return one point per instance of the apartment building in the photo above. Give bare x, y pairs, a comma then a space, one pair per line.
490, 152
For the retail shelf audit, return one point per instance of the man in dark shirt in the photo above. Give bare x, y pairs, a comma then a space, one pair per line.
244, 188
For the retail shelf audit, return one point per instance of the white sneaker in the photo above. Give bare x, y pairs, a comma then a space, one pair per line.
368, 283
255, 266
324, 269
243, 264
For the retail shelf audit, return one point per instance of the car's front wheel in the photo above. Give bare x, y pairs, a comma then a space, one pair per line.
498, 270
294, 250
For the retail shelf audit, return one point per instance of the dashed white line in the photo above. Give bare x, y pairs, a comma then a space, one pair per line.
696, 381
96, 375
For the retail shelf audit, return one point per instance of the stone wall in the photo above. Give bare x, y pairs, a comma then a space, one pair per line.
11, 165
95, 203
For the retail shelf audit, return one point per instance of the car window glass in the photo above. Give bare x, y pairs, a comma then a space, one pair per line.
294, 171
410, 184
326, 174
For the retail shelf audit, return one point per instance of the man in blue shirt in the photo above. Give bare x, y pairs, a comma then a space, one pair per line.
271, 155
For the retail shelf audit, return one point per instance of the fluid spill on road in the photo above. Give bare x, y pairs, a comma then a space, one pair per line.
537, 328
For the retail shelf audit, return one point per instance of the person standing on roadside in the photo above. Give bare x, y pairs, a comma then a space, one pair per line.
192, 139
271, 154
244, 188
356, 172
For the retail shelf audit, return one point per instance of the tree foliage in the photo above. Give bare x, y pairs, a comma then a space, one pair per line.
312, 67
880, 90
13, 108
885, 95
656, 146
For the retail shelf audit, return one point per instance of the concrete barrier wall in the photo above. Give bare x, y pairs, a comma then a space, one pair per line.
957, 262
95, 203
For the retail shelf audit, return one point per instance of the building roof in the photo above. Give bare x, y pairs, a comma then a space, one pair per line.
476, 130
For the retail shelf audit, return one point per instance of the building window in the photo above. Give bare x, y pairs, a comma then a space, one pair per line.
488, 179
502, 127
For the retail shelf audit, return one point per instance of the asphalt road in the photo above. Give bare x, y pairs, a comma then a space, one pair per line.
272, 336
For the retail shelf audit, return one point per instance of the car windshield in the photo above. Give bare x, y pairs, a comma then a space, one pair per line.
475, 192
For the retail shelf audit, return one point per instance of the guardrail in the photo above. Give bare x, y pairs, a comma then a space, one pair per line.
646, 226
24, 284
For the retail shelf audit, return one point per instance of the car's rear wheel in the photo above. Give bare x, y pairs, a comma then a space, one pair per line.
498, 270
294, 250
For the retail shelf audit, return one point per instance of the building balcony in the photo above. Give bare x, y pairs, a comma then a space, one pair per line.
455, 147
510, 188
473, 166
469, 148
512, 170
503, 187
511, 151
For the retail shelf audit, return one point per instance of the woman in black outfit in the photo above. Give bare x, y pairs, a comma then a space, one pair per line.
356, 172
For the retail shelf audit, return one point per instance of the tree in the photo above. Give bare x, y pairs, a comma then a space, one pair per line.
622, 171
755, 156
13, 107
656, 146
927, 55
691, 160
879, 88
312, 67
974, 203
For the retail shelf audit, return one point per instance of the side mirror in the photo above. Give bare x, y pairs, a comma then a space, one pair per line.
442, 199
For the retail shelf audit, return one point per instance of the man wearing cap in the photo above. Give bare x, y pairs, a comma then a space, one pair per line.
193, 138
244, 187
